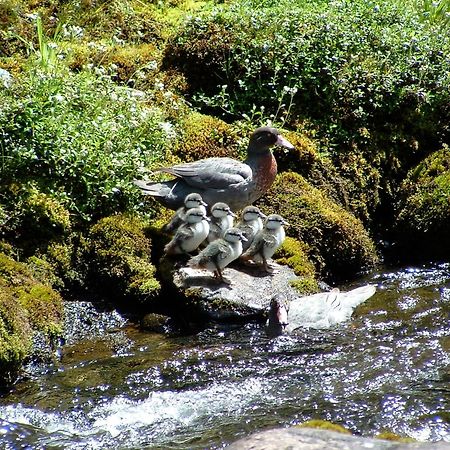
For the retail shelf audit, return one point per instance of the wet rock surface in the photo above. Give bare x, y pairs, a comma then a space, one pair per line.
314, 439
247, 297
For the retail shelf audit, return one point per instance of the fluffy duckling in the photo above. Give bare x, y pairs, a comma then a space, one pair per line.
190, 234
250, 224
266, 242
222, 218
219, 253
193, 200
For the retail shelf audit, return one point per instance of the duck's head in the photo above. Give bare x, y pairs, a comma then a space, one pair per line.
234, 235
278, 313
221, 209
196, 215
265, 137
194, 200
275, 221
250, 213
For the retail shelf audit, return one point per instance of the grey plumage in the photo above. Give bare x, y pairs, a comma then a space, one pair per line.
226, 180
219, 253
193, 200
266, 242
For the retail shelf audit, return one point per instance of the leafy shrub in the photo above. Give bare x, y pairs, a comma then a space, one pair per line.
370, 77
79, 139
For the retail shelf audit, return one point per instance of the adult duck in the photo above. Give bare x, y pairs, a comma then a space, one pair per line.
227, 180
321, 310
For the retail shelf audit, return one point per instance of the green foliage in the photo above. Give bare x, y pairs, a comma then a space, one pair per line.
423, 212
204, 137
295, 255
337, 241
119, 258
80, 138
371, 78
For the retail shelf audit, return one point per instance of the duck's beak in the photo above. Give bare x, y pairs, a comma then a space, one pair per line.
206, 218
203, 203
283, 142
243, 238
232, 214
262, 215
286, 223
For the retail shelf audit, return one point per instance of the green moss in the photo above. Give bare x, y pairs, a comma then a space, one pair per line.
26, 305
119, 257
204, 137
15, 334
389, 436
295, 255
338, 243
424, 208
323, 425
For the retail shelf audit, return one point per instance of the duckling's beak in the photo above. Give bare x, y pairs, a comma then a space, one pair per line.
283, 142
243, 238
262, 215
286, 223
232, 214
206, 218
203, 203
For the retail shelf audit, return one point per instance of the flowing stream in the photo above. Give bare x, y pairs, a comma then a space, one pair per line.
386, 369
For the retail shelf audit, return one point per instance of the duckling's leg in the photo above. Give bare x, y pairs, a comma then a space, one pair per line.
218, 275
267, 267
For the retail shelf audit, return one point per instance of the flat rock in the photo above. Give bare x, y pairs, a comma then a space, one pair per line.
246, 298
314, 439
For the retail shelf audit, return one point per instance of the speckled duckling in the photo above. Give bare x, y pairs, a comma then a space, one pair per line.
266, 242
193, 200
250, 224
222, 218
190, 234
219, 253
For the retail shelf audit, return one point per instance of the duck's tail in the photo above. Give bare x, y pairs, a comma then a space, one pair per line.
357, 296
153, 189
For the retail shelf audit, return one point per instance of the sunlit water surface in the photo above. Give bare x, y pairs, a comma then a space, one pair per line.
387, 369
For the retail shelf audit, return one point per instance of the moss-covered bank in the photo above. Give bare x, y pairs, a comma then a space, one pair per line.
27, 306
338, 242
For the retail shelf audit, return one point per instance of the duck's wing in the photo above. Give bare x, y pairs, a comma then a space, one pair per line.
211, 173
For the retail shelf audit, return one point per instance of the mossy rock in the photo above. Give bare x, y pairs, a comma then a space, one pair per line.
119, 255
26, 306
36, 218
390, 436
294, 254
338, 242
205, 136
323, 425
423, 217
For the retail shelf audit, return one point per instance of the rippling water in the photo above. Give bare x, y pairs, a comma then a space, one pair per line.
387, 369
